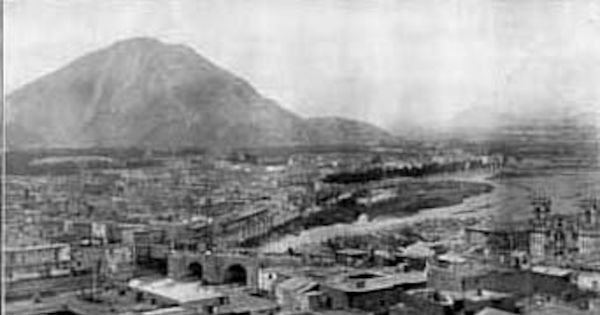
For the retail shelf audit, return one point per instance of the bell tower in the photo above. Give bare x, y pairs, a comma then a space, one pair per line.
542, 206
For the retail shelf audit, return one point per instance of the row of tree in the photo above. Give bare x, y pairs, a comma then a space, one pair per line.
379, 173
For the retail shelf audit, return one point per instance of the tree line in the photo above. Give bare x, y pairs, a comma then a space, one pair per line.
380, 173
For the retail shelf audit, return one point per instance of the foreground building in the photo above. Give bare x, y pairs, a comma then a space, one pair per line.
546, 235
370, 291
588, 241
36, 261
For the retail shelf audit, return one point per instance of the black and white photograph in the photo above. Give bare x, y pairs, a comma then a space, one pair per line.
300, 157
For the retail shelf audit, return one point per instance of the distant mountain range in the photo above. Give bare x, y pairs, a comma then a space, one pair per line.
145, 93
551, 124
577, 124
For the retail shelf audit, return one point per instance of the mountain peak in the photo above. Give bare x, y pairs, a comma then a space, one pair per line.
143, 92
149, 45
140, 41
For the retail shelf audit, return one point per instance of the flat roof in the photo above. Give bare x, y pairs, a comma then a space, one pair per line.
430, 294
176, 310
552, 271
298, 284
476, 295
243, 303
493, 311
453, 258
352, 252
35, 247
380, 282
179, 292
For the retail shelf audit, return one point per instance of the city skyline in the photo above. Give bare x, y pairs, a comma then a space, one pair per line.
301, 157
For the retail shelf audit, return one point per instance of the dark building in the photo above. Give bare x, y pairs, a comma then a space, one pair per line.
370, 291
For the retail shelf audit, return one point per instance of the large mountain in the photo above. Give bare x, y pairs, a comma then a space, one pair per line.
142, 92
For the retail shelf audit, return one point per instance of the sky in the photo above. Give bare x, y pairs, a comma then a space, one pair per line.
394, 63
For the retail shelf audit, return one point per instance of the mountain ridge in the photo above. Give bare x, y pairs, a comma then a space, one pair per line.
143, 92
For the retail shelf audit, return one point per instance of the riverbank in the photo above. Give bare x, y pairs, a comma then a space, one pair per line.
508, 201
410, 197
413, 197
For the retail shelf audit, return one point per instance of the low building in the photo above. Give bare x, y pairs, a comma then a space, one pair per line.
557, 309
51, 228
449, 271
553, 280
424, 301
37, 261
588, 239
268, 278
367, 291
434, 302
589, 280
416, 256
472, 301
119, 260
299, 294
92, 231
351, 256
499, 237
204, 299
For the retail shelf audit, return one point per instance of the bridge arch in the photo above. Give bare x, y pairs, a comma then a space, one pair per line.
236, 274
196, 270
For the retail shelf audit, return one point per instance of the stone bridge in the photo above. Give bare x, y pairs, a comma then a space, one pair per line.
215, 268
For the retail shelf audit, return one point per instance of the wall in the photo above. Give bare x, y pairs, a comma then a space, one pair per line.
588, 242
424, 305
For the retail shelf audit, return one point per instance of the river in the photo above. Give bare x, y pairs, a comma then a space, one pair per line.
508, 201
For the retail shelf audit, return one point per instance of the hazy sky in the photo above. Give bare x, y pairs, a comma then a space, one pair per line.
390, 62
